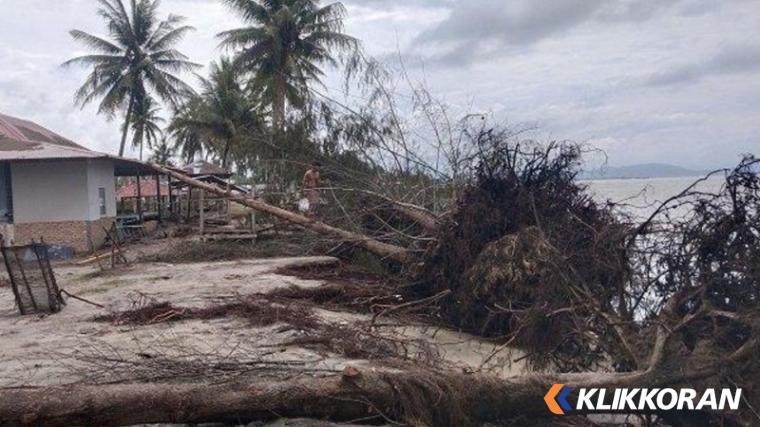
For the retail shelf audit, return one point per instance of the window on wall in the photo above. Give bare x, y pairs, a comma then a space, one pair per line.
102, 201
6, 194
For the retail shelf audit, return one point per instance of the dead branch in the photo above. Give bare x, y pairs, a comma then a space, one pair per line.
64, 292
418, 303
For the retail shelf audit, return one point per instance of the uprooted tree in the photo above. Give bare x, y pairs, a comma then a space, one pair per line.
594, 299
531, 259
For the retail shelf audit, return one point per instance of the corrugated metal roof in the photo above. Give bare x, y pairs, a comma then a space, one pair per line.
147, 189
213, 179
23, 140
19, 150
201, 167
10, 151
24, 130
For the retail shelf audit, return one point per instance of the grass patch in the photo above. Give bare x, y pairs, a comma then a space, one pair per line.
348, 287
107, 286
295, 244
95, 274
190, 251
259, 311
342, 273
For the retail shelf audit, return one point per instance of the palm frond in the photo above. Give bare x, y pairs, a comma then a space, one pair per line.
285, 44
139, 54
250, 11
98, 61
95, 43
169, 38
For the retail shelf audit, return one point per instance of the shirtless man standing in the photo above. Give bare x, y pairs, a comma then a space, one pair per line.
312, 181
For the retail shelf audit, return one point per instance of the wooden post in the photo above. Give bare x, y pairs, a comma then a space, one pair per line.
172, 202
189, 201
158, 197
201, 209
139, 198
183, 205
229, 217
253, 212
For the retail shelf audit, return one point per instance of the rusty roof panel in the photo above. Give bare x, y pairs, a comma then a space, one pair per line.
26, 131
11, 149
201, 167
23, 140
147, 189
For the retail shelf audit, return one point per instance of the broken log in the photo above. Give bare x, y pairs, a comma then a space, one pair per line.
376, 247
92, 259
428, 220
424, 397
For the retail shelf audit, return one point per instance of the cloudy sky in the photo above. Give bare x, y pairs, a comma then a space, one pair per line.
675, 81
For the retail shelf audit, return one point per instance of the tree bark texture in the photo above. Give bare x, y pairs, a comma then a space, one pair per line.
432, 398
127, 119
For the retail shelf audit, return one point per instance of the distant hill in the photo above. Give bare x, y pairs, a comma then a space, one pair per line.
647, 170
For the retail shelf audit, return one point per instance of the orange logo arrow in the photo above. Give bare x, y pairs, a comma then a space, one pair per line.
550, 400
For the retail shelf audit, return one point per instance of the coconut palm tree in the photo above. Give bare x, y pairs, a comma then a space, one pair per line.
284, 45
163, 153
136, 59
145, 123
220, 118
188, 136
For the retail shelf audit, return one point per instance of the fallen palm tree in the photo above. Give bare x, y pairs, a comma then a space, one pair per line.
530, 260
376, 247
417, 397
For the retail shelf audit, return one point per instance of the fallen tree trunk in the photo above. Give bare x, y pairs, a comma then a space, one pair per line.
376, 247
428, 220
423, 397
429, 223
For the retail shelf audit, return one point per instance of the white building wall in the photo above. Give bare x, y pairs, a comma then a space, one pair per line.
100, 175
50, 191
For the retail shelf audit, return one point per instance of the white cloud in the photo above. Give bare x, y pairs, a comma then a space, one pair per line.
576, 68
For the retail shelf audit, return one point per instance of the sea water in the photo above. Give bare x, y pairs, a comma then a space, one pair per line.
640, 197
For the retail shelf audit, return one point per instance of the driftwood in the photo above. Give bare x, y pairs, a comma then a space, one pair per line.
417, 397
374, 246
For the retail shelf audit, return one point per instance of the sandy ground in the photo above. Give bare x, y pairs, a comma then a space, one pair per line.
70, 347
